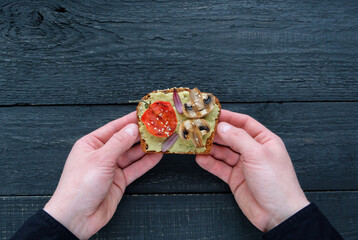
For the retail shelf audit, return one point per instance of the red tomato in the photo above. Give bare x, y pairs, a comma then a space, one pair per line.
160, 119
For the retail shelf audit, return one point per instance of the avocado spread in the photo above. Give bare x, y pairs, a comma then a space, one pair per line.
181, 145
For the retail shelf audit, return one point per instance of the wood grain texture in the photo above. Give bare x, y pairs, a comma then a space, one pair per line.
203, 216
35, 141
100, 52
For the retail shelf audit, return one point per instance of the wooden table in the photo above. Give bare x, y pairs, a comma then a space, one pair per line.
69, 67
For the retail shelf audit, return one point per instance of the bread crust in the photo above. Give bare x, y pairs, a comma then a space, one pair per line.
209, 141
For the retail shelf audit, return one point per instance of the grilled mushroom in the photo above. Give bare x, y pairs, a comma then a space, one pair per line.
200, 105
194, 129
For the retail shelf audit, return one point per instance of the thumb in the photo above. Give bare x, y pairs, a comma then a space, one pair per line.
120, 141
236, 138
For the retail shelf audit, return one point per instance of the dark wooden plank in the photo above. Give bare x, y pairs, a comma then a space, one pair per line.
99, 52
35, 141
202, 216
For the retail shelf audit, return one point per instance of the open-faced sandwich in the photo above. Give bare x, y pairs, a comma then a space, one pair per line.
178, 120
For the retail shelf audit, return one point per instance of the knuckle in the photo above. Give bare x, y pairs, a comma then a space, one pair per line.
248, 117
89, 140
112, 128
239, 133
80, 142
121, 138
279, 141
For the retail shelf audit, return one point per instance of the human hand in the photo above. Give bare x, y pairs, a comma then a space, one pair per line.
98, 169
257, 168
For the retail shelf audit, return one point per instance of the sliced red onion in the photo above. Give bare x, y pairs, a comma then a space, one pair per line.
177, 101
169, 142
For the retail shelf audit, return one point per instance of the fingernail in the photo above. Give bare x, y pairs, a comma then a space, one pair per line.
224, 127
132, 129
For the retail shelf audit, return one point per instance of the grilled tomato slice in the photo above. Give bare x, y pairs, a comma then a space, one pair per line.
160, 119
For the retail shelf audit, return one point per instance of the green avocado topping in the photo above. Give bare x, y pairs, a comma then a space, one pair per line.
181, 145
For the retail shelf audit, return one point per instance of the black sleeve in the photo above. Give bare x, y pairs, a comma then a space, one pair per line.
309, 223
42, 226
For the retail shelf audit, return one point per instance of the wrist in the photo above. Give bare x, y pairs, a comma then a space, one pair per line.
68, 217
284, 213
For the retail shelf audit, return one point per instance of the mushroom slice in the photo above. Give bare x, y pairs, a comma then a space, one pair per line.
194, 129
200, 104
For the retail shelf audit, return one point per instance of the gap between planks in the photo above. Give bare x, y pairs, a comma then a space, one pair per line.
135, 104
181, 193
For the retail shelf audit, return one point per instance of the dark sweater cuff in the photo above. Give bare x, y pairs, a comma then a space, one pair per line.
291, 223
63, 232
43, 226
308, 223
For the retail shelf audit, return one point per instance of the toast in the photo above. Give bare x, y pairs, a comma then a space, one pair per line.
183, 145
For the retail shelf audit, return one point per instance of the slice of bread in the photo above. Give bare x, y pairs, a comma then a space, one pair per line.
152, 144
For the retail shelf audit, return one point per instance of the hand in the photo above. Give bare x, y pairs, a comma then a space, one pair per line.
257, 168
98, 169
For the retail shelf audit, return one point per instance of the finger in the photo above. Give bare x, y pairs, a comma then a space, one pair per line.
120, 142
265, 138
214, 166
218, 140
119, 181
250, 125
103, 134
130, 156
237, 177
137, 139
236, 138
225, 154
138, 168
